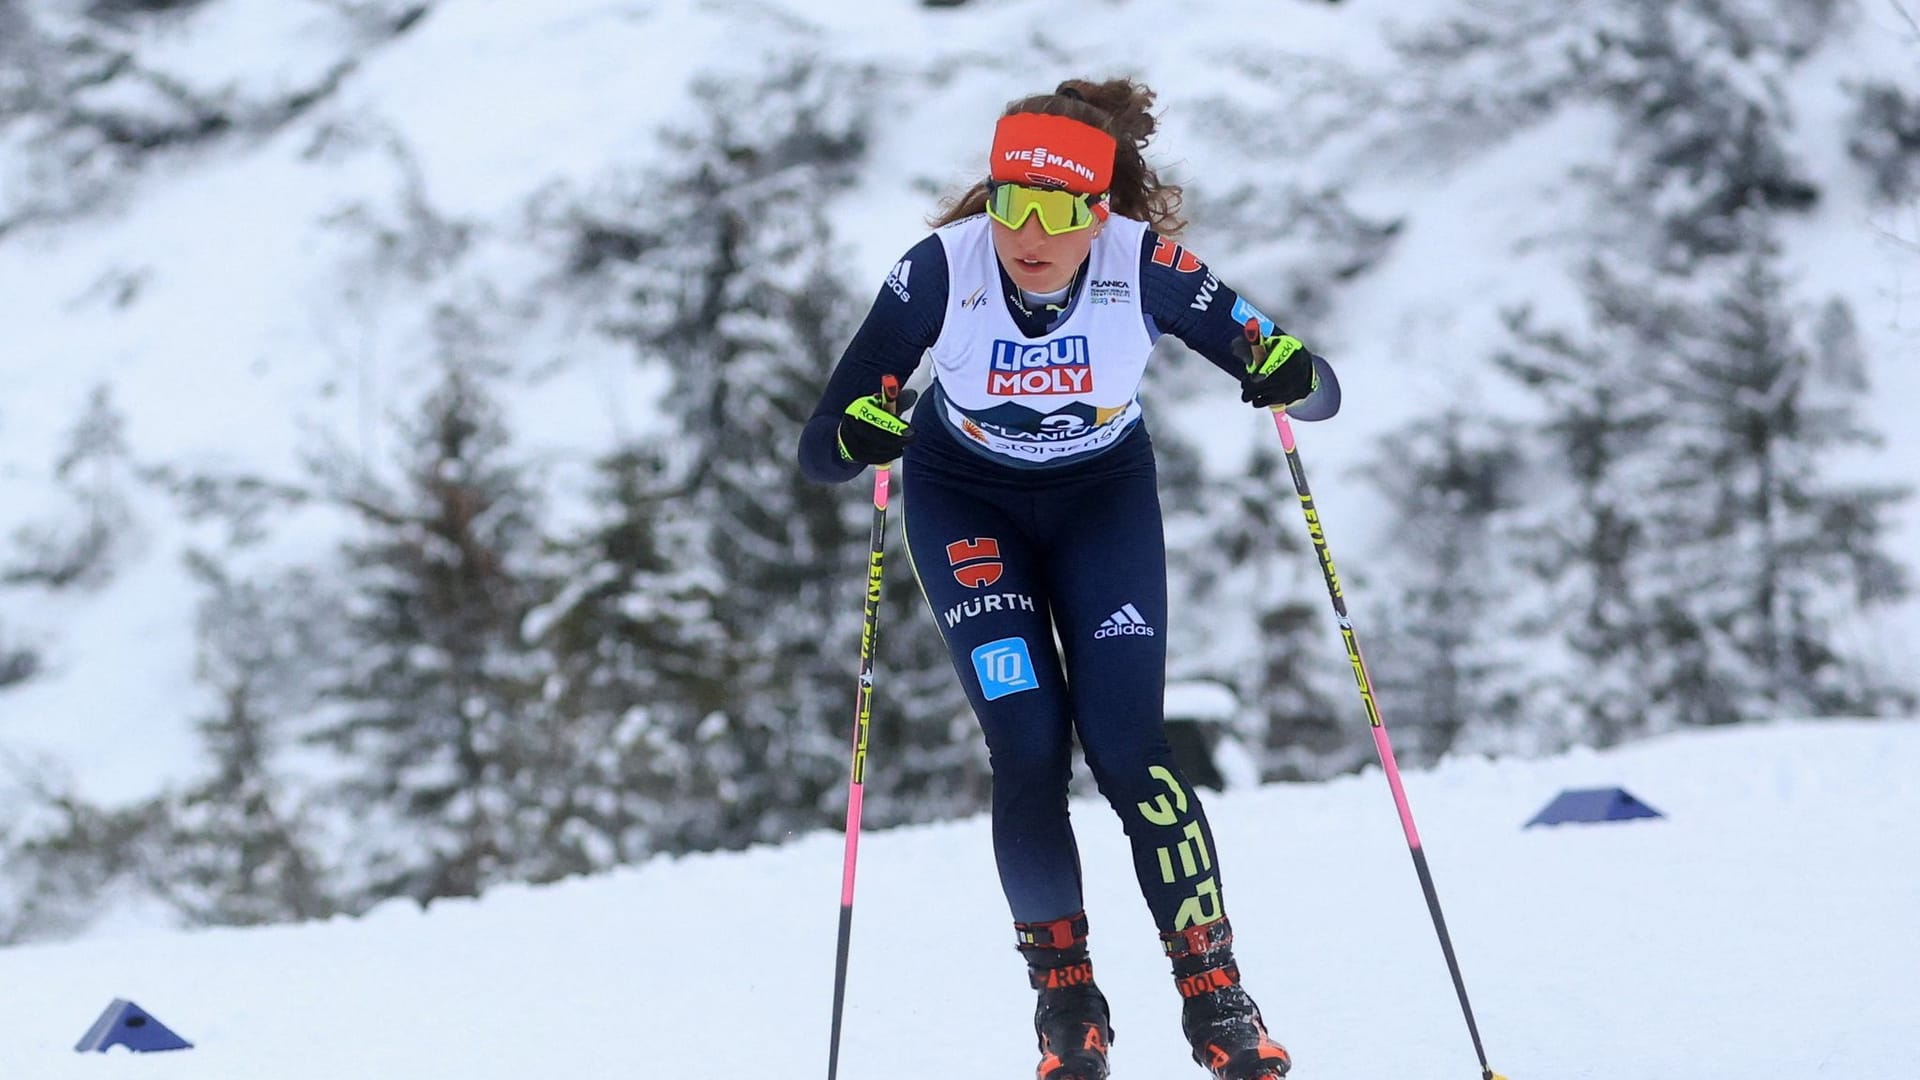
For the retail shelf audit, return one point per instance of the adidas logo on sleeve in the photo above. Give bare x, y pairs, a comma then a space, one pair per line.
1124, 623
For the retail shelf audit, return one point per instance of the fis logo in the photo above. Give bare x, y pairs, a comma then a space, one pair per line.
976, 300
1127, 622
1061, 366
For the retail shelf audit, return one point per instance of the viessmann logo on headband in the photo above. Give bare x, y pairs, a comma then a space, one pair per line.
1043, 150
1041, 158
1061, 366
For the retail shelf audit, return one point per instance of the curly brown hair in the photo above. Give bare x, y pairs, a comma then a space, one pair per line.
1118, 107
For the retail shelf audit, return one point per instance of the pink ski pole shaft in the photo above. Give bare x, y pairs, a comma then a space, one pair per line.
1381, 743
862, 725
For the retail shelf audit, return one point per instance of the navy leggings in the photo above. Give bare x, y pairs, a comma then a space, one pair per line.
1050, 588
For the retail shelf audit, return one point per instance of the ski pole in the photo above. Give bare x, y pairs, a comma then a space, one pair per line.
862, 718
1380, 741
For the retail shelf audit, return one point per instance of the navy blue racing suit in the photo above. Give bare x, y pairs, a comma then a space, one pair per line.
1049, 584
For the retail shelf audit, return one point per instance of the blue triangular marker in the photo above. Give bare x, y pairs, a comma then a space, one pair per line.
1592, 804
126, 1024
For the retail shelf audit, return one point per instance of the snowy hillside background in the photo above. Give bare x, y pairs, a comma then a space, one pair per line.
395, 445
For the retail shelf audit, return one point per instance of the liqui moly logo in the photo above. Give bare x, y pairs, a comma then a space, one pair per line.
1061, 366
1042, 157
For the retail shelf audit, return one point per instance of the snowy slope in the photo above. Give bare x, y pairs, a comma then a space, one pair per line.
1763, 928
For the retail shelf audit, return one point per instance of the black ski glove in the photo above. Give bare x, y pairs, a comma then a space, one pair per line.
870, 435
1279, 369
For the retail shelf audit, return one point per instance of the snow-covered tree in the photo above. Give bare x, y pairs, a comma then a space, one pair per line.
1445, 660
1702, 565
64, 858
1771, 558
242, 845
724, 272
1696, 87
1581, 536
437, 708
1885, 139
1705, 126
83, 547
92, 93
627, 639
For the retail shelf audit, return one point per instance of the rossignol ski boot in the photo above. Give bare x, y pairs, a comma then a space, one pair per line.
1070, 1017
1221, 1022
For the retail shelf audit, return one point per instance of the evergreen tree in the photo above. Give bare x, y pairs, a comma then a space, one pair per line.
1584, 533
438, 708
64, 858
1772, 557
97, 470
753, 649
1704, 117
1702, 566
240, 846
1696, 86
628, 639
1443, 668
1886, 139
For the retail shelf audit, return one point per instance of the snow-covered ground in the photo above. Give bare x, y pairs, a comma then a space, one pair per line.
1763, 928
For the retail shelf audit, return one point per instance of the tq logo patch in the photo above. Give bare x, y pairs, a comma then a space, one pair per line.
976, 562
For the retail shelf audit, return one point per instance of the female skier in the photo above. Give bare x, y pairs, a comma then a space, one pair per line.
1033, 523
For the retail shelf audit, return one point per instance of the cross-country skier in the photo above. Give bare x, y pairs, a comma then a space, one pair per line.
1032, 518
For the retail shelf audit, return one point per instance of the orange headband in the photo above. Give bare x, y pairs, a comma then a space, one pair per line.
1053, 152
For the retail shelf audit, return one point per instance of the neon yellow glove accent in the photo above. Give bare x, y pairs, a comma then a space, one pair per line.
1279, 349
873, 410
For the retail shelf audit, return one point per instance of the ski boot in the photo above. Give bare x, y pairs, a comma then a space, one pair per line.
1221, 1022
1070, 1017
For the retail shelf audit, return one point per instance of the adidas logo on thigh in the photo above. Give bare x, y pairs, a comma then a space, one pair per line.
1123, 623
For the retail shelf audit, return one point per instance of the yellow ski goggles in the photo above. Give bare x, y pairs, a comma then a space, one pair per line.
1060, 211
